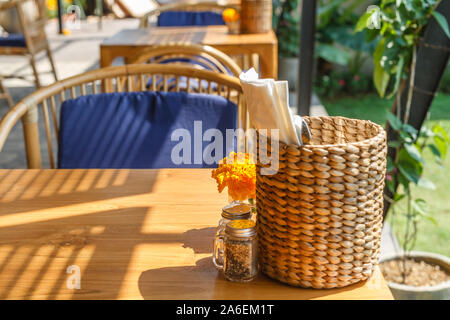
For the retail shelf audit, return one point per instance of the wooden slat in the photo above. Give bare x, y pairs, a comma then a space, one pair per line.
54, 117
48, 133
154, 82
94, 87
165, 85
83, 89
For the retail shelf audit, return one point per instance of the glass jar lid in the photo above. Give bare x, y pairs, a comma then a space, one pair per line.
241, 228
236, 210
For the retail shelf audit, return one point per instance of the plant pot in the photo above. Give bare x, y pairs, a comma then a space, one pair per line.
406, 292
288, 70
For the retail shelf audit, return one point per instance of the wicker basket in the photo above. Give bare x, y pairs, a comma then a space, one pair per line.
320, 216
256, 16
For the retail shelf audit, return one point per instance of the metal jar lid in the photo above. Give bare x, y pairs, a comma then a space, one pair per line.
235, 211
241, 228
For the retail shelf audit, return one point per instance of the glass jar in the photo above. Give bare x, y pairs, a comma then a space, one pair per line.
233, 211
240, 251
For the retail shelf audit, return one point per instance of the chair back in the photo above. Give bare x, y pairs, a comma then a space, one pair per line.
213, 7
145, 130
46, 101
32, 17
199, 56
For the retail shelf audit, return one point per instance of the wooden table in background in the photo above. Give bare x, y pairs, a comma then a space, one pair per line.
131, 42
133, 234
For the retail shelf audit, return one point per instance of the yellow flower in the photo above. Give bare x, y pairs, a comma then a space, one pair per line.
230, 15
238, 173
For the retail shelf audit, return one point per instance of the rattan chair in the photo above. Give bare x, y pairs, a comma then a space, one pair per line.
191, 5
127, 78
35, 39
199, 56
4, 94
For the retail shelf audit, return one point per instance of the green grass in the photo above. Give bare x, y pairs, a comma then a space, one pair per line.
430, 238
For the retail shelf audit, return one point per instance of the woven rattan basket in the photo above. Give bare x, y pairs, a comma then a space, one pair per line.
256, 16
320, 216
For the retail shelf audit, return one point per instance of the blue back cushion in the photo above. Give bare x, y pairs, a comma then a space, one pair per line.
13, 40
189, 18
134, 130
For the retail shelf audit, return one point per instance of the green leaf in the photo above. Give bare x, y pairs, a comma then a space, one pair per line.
442, 22
380, 76
381, 80
398, 76
420, 207
332, 54
441, 145
409, 167
391, 186
410, 129
409, 171
390, 165
395, 122
425, 183
414, 152
398, 197
362, 22
435, 151
405, 136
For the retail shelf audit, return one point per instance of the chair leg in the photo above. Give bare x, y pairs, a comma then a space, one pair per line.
52, 62
5, 94
35, 72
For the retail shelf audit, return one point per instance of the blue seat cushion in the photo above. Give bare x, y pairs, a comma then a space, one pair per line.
136, 129
189, 18
13, 40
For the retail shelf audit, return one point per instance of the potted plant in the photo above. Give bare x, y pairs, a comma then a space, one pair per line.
399, 67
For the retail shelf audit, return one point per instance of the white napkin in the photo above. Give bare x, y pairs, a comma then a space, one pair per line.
268, 106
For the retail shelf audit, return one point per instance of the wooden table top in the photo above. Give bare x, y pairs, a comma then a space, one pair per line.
133, 234
210, 35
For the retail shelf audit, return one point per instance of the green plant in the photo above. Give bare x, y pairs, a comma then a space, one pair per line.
286, 20
401, 26
407, 170
335, 40
402, 23
335, 24
342, 82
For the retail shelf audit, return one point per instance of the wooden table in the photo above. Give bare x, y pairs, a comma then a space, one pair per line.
131, 42
133, 234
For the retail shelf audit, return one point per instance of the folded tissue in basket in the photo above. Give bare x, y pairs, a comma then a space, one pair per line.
268, 106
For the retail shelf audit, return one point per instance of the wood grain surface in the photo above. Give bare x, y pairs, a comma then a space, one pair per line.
129, 43
134, 234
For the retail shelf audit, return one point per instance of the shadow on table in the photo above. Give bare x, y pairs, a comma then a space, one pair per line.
58, 187
34, 257
203, 281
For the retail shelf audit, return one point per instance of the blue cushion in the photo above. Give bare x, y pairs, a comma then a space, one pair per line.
134, 130
189, 18
13, 40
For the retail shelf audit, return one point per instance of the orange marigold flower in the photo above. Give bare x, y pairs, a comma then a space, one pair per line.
230, 15
238, 173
